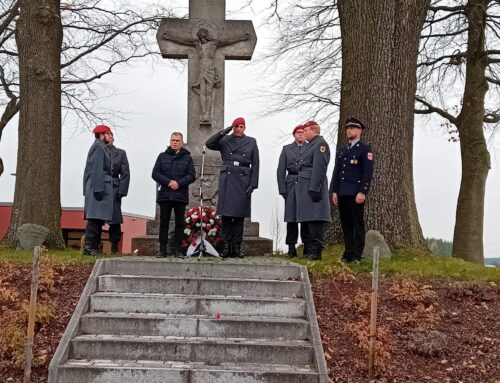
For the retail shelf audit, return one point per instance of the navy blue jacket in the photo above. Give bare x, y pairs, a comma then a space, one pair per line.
353, 171
174, 167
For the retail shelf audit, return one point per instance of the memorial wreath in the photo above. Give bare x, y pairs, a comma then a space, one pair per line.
202, 219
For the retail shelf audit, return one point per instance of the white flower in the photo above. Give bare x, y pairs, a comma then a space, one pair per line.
188, 219
187, 231
212, 232
211, 221
203, 225
198, 224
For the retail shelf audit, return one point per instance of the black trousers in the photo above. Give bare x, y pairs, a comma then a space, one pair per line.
115, 233
314, 235
292, 233
232, 229
93, 232
165, 214
353, 227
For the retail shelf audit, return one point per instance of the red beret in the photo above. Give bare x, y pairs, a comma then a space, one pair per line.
310, 123
101, 129
239, 121
298, 127
354, 122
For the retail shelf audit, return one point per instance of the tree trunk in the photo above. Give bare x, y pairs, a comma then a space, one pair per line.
380, 41
37, 193
468, 235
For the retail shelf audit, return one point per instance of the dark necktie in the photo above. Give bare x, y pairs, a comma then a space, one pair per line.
349, 146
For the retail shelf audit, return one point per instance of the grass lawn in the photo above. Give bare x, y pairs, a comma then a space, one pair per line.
404, 263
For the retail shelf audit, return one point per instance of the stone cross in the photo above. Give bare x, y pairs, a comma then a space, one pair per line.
206, 39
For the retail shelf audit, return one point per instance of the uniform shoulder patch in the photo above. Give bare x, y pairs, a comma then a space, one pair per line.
370, 156
322, 149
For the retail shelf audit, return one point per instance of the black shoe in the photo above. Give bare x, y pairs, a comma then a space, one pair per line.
237, 253
226, 250
177, 254
91, 252
316, 256
292, 251
162, 254
114, 248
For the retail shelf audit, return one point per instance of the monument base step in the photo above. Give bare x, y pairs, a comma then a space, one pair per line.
252, 246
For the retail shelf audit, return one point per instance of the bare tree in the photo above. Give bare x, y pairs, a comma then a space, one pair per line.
277, 225
363, 53
461, 49
96, 40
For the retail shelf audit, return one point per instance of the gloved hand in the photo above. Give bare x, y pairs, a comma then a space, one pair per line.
227, 130
249, 191
315, 195
99, 195
283, 195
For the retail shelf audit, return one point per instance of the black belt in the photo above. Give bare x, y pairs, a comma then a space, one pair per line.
237, 163
305, 168
116, 177
293, 173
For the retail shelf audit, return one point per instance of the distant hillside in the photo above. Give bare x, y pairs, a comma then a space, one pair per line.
440, 246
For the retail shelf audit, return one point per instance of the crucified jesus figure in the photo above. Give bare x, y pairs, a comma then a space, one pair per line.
208, 80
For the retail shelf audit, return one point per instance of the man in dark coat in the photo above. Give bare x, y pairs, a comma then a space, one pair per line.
287, 175
239, 176
97, 189
174, 172
349, 186
121, 180
312, 199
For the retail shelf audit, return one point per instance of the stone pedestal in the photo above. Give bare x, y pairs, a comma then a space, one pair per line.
253, 245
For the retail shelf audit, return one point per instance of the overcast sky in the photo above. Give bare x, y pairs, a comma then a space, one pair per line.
155, 101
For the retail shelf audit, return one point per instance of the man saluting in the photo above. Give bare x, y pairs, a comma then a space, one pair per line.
239, 176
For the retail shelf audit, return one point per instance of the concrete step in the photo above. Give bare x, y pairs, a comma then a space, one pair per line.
197, 304
252, 246
250, 229
211, 351
266, 268
228, 326
200, 286
125, 371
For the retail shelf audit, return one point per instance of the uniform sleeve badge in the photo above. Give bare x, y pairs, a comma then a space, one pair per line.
370, 156
322, 149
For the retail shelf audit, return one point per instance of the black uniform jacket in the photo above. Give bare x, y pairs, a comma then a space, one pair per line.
353, 171
174, 167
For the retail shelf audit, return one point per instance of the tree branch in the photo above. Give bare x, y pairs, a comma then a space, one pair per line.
11, 14
432, 109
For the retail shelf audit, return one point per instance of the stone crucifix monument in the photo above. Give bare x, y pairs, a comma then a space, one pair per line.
206, 39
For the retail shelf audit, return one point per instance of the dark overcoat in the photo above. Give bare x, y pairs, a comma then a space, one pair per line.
287, 175
171, 166
353, 170
97, 178
121, 181
313, 164
239, 170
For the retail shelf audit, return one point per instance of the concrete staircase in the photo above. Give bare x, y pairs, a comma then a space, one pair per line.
145, 320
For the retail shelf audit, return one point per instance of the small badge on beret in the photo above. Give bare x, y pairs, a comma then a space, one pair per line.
370, 156
322, 149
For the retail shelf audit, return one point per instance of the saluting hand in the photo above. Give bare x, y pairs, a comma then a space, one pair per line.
360, 198
173, 185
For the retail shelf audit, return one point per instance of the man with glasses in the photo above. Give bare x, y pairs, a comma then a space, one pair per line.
288, 175
239, 176
97, 189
